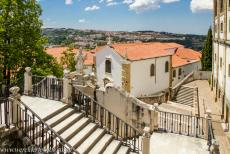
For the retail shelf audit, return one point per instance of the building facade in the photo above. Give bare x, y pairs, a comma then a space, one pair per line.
144, 69
221, 56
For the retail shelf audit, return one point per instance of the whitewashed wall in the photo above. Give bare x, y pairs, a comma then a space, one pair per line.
142, 83
227, 76
185, 70
228, 26
221, 70
116, 64
217, 28
215, 50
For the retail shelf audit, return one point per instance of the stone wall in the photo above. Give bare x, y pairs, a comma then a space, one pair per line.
202, 75
128, 108
151, 100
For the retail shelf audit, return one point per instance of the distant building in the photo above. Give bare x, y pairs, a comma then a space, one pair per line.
56, 52
221, 56
145, 68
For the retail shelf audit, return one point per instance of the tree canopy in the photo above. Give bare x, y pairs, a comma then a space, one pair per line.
67, 58
21, 40
207, 53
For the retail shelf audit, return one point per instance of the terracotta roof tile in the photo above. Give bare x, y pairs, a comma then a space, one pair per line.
138, 51
56, 52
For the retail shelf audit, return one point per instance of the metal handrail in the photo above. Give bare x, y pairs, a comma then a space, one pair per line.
141, 132
51, 129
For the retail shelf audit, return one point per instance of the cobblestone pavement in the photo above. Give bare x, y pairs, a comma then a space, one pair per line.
207, 101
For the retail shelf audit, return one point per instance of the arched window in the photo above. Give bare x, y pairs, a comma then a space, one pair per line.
180, 72
152, 70
166, 66
108, 66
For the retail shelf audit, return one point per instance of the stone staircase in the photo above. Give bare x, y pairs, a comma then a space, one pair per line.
186, 96
81, 133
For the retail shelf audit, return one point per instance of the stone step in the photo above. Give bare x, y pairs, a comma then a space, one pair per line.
88, 144
182, 98
56, 113
101, 145
123, 150
82, 135
60, 117
67, 122
185, 94
113, 147
75, 128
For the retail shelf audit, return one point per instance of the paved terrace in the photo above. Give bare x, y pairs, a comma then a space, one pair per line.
207, 101
160, 143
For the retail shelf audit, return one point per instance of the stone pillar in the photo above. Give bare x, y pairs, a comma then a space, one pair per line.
28, 81
146, 141
14, 102
207, 118
67, 88
154, 118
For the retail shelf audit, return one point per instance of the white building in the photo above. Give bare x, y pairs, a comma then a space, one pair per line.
221, 56
144, 69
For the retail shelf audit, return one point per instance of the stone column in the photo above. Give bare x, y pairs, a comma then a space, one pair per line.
14, 104
28, 81
207, 118
146, 141
67, 88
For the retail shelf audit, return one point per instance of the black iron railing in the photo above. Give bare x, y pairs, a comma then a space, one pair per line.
4, 112
40, 134
211, 135
122, 131
181, 124
47, 87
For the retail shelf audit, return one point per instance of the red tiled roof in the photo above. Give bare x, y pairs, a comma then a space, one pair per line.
138, 51
56, 52
184, 56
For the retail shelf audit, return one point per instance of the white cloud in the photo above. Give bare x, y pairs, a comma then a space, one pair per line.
92, 8
100, 1
81, 20
143, 5
112, 3
68, 2
201, 5
128, 1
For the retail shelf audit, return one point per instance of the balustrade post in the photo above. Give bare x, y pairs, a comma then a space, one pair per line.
146, 141
207, 118
14, 110
67, 88
154, 118
28, 90
215, 147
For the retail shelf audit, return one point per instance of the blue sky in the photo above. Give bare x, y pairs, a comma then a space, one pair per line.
178, 16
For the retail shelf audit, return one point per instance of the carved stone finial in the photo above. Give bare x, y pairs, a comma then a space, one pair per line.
109, 40
14, 90
79, 59
66, 72
28, 69
146, 132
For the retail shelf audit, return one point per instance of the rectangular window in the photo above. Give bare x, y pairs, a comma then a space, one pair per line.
228, 70
220, 62
221, 6
221, 27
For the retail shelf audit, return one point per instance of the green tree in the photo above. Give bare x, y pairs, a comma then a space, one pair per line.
207, 52
67, 58
21, 41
